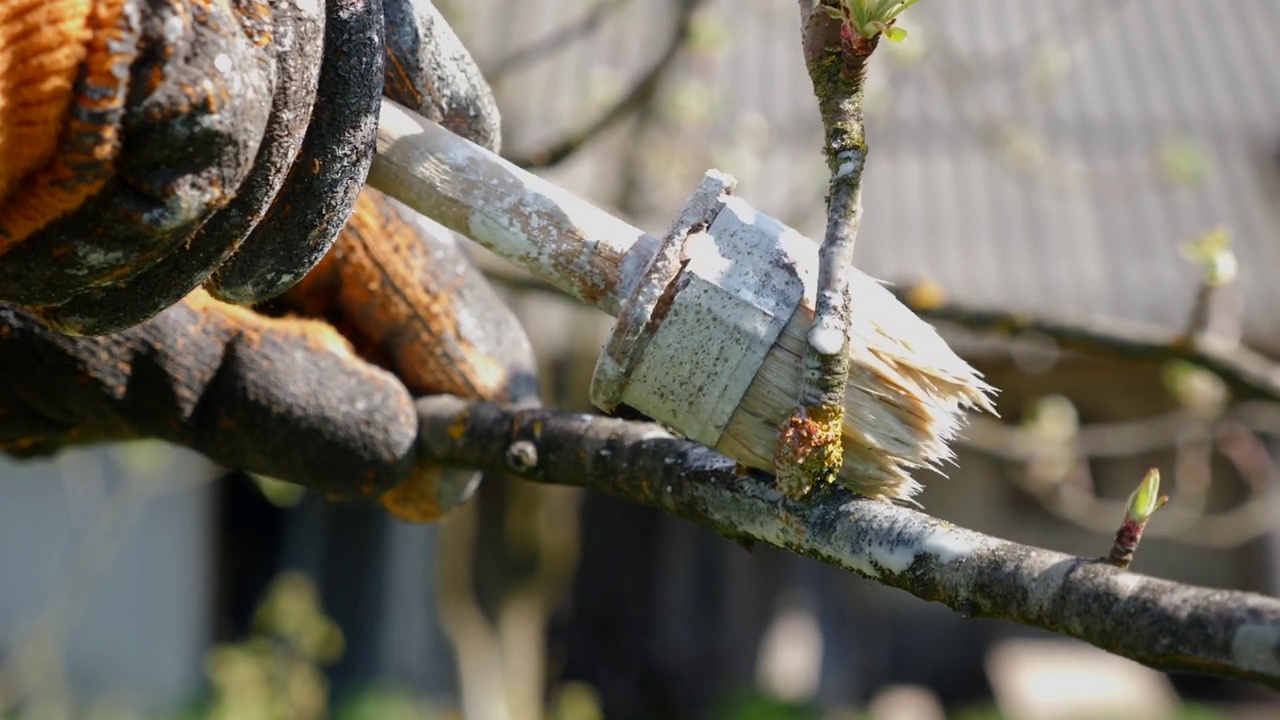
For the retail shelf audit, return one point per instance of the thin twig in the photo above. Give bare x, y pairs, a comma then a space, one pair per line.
1066, 492
629, 103
556, 41
1231, 528
1163, 624
809, 448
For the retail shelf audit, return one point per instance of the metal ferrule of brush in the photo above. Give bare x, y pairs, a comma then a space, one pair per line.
699, 324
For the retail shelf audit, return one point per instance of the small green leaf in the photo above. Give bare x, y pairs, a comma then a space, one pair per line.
1214, 241
895, 34
1212, 251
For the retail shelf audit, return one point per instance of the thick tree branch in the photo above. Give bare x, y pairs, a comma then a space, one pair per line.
1163, 624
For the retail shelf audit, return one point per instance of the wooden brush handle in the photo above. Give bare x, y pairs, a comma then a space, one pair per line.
536, 225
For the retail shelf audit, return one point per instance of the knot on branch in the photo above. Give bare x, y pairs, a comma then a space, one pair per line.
522, 456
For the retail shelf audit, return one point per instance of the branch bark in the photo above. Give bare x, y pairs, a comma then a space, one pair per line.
1162, 624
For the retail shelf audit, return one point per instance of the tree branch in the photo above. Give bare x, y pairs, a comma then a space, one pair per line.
1249, 373
1059, 477
630, 102
554, 42
809, 450
1160, 623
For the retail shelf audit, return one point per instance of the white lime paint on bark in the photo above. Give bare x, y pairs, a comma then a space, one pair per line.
1255, 644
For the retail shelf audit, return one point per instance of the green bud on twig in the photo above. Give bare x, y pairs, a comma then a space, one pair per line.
1146, 499
1142, 504
1212, 252
870, 18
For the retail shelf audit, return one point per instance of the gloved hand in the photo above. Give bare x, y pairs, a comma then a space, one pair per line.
314, 387
282, 392
149, 147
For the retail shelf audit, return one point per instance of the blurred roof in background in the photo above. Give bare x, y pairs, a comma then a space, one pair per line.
1029, 155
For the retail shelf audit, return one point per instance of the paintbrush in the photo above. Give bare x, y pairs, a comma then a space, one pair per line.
712, 317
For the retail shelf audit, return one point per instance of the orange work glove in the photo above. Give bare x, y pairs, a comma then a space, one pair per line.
282, 392
147, 148
238, 178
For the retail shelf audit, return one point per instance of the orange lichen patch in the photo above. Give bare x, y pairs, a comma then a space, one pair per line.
458, 427
795, 526
809, 451
56, 177
255, 18
396, 301
416, 499
200, 10
402, 81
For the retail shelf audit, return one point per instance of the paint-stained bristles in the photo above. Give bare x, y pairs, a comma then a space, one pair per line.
906, 397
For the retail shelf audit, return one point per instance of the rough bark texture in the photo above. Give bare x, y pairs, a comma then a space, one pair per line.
1160, 623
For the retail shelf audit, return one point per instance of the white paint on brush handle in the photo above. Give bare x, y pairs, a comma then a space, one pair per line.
534, 224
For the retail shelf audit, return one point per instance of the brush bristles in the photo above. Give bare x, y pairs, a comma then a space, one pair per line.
906, 398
